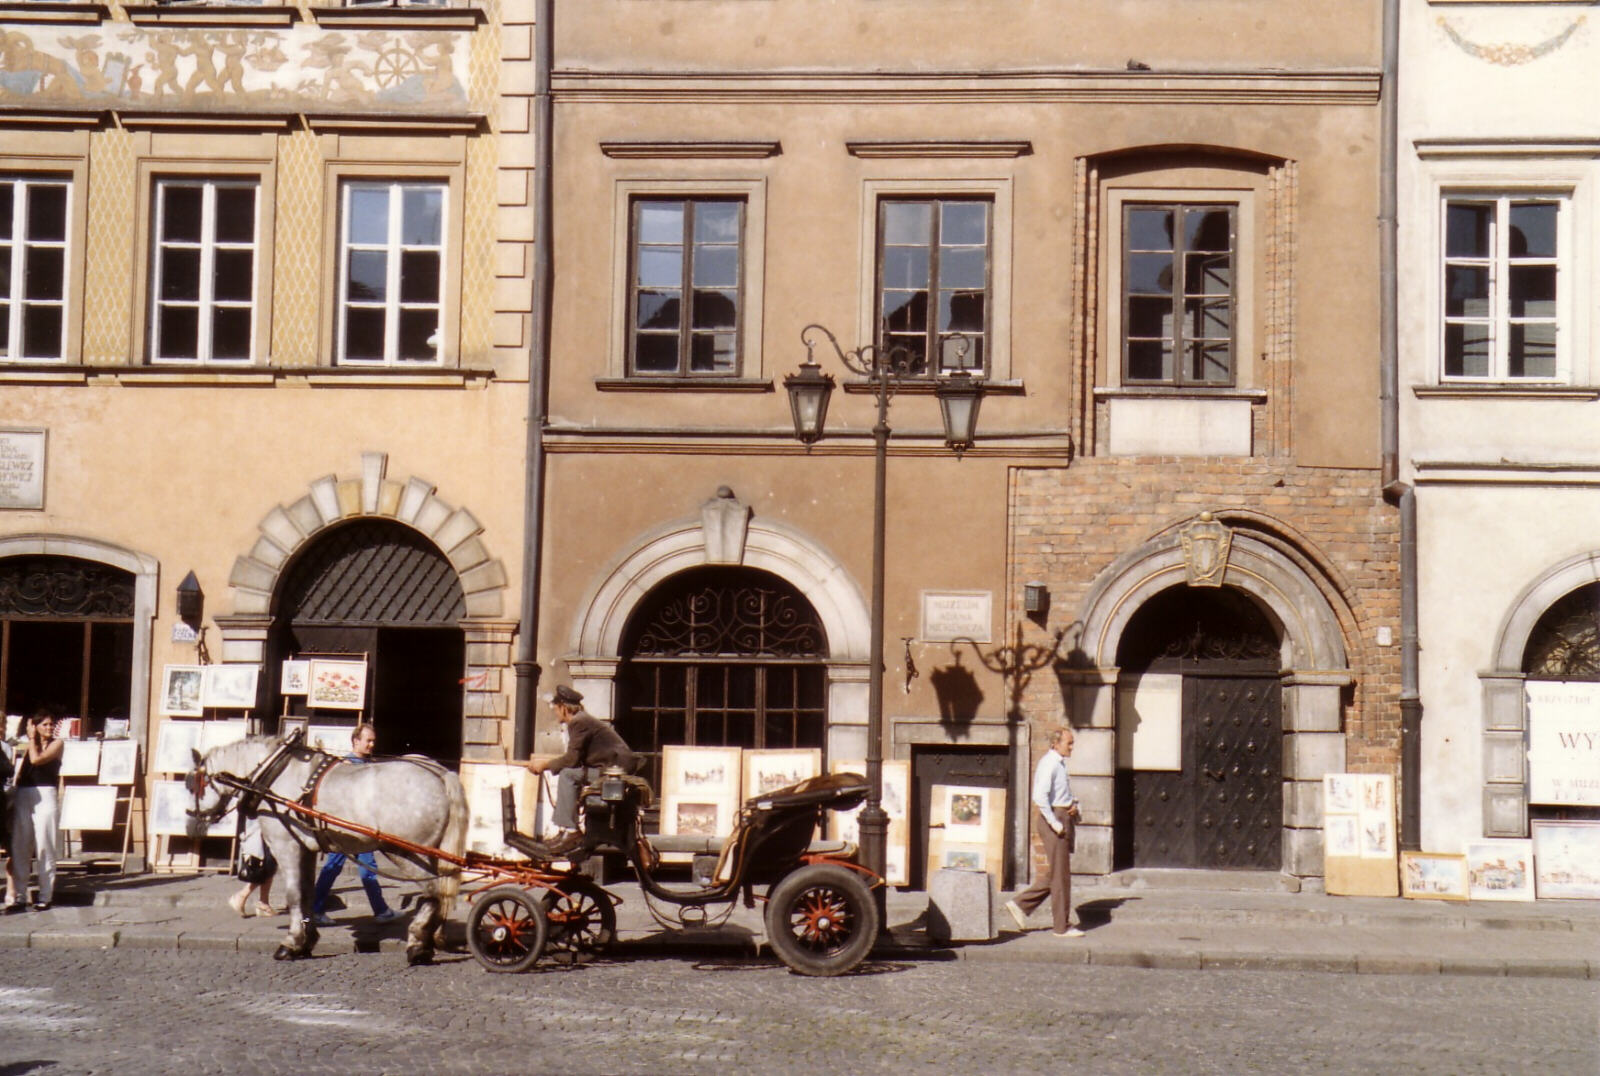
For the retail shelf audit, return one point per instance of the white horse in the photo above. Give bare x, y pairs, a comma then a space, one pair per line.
412, 798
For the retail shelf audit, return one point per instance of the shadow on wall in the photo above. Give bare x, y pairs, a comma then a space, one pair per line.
959, 695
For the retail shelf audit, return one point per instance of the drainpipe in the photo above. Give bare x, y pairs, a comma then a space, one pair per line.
526, 663
1395, 491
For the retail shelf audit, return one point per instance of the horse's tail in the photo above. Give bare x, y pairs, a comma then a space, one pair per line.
455, 842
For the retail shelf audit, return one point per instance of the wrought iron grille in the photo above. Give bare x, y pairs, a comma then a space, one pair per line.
699, 617
372, 572
46, 586
1183, 625
1565, 643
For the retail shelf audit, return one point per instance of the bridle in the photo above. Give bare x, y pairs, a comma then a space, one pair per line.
198, 780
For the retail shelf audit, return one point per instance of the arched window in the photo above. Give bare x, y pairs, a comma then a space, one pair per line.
66, 638
722, 657
1565, 643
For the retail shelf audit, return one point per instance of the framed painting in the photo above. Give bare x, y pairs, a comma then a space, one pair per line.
169, 806
699, 790
896, 795
482, 782
1433, 876
230, 687
175, 745
337, 685
1566, 860
69, 728
334, 739
295, 677
769, 770
119, 762
286, 725
91, 807
217, 733
80, 758
1500, 870
181, 690
1341, 793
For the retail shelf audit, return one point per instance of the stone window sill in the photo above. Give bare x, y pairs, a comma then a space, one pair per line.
54, 13
683, 384
925, 386
1506, 391
213, 15
240, 377
1187, 392
420, 17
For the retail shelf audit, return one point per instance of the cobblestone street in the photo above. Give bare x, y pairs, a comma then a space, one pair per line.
132, 1012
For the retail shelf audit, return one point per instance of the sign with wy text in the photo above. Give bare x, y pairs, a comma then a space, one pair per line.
948, 615
1564, 743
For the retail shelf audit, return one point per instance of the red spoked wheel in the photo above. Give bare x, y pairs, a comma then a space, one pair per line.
822, 920
506, 928
581, 918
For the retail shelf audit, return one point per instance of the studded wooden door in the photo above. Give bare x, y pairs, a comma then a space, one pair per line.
1224, 809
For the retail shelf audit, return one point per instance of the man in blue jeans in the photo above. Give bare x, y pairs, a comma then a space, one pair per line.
362, 742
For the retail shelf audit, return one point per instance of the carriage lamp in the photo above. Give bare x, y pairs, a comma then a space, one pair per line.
808, 391
191, 601
1035, 599
959, 396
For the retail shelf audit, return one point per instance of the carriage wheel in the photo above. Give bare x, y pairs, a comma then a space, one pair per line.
581, 918
506, 929
821, 920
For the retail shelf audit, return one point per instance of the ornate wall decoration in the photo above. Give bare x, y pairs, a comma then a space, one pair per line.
306, 68
1506, 54
1205, 550
64, 587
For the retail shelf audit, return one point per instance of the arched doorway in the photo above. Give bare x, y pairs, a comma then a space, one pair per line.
1564, 647
722, 656
377, 587
1200, 741
67, 639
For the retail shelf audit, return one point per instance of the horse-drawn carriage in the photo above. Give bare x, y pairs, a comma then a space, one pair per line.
820, 915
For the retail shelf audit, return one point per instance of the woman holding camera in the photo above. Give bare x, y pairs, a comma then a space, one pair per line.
35, 813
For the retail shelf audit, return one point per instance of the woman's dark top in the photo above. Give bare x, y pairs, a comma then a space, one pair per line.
38, 775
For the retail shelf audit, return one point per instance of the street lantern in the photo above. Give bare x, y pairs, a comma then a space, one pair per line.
809, 389
959, 397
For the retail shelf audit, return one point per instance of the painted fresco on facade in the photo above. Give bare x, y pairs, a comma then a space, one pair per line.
232, 69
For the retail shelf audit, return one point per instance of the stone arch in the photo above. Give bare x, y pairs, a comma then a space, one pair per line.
724, 533
1312, 638
1505, 700
146, 575
1314, 660
287, 528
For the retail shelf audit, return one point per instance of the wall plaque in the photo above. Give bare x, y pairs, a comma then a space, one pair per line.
948, 615
22, 468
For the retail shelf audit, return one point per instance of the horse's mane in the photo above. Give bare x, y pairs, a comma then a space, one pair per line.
246, 753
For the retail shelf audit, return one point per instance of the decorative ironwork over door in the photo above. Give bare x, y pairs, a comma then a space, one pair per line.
723, 658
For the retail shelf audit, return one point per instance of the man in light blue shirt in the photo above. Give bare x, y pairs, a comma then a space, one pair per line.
1055, 815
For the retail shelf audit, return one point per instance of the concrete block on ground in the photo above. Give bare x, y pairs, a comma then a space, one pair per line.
961, 905
209, 941
1397, 965
136, 938
74, 939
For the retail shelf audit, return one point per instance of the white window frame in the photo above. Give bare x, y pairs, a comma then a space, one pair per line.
393, 248
20, 243
1499, 264
208, 246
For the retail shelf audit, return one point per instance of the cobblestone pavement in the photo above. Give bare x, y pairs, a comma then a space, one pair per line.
131, 1012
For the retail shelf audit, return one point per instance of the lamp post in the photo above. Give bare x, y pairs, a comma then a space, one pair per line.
809, 389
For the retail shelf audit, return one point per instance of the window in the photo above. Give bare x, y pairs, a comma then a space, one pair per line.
1178, 295
1502, 287
933, 281
684, 306
33, 267
391, 272
205, 271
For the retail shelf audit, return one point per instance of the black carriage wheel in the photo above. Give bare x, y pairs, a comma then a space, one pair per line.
506, 929
581, 918
822, 920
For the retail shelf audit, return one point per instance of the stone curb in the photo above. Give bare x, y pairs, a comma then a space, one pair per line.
1066, 954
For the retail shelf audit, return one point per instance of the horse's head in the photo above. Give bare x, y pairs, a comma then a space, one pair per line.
208, 800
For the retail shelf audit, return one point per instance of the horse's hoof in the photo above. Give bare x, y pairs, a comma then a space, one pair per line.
419, 958
283, 952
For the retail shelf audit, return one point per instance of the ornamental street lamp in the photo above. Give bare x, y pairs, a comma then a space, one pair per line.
959, 396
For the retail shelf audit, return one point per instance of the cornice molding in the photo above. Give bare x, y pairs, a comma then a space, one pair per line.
30, 11
149, 121
33, 120
1337, 87
687, 149
348, 123
1507, 147
376, 17
938, 147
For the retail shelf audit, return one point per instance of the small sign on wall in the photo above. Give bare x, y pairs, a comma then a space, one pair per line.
948, 615
22, 468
